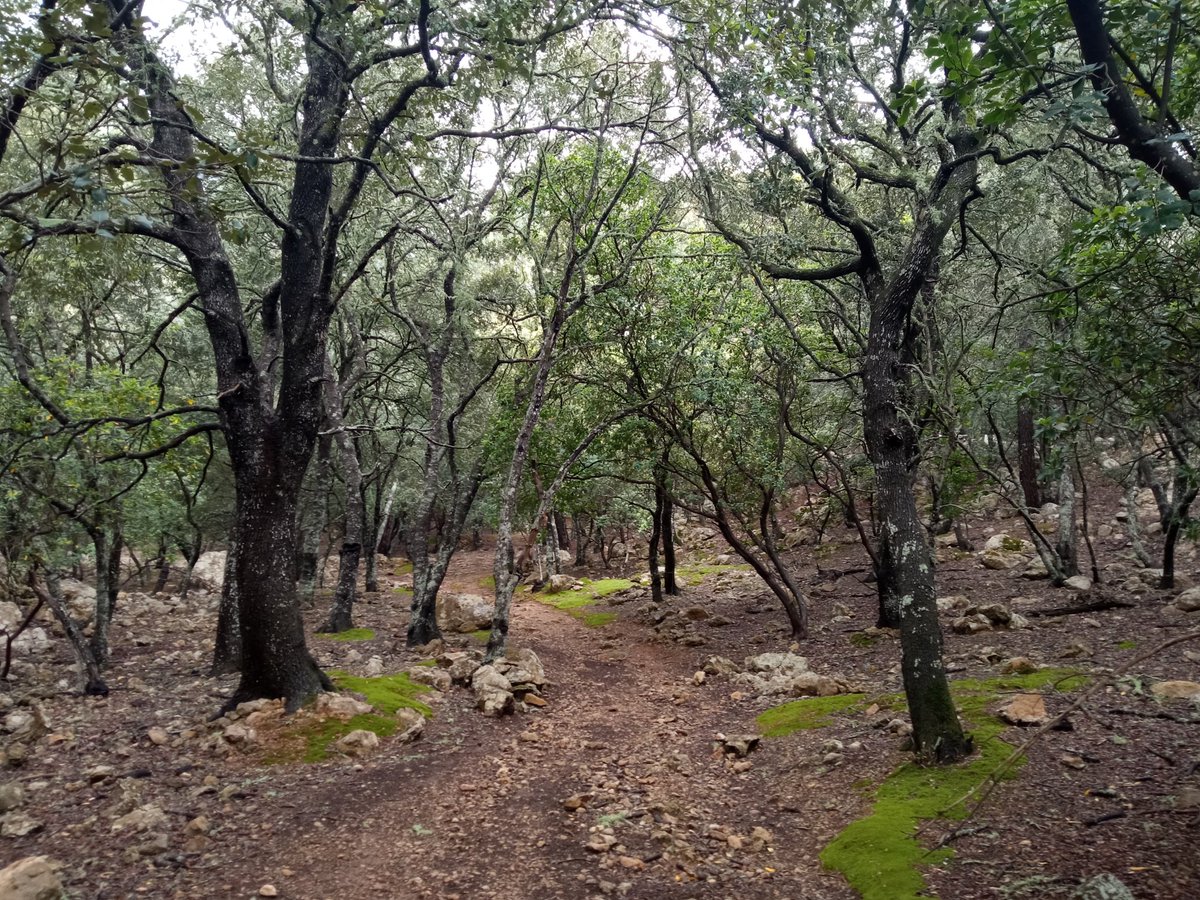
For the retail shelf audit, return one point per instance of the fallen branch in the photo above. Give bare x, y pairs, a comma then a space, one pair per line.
1094, 606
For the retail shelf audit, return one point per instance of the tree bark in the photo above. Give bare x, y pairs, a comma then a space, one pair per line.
670, 582
94, 684
314, 507
227, 653
656, 587
341, 615
1027, 455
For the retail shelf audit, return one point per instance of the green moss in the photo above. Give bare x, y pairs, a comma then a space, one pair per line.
1126, 645
403, 568
606, 586
862, 639
426, 663
481, 635
402, 589
801, 715
488, 582
313, 741
577, 601
1012, 544
695, 574
879, 854
387, 693
351, 634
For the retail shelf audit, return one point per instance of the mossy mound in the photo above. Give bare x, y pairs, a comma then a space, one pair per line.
879, 854
577, 602
312, 740
350, 634
802, 715
695, 574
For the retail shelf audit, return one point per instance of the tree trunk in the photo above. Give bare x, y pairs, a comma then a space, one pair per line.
885, 586
275, 659
94, 684
563, 534
341, 615
99, 641
670, 583
656, 591
313, 511
581, 540
1066, 546
370, 542
227, 654
1027, 455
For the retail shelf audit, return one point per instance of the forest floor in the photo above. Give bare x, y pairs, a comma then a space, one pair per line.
132, 799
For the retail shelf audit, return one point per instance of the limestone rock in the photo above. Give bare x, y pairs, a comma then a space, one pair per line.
1036, 570
1080, 583
1019, 665
463, 613
1000, 560
777, 663
953, 603
1025, 709
359, 742
17, 824
493, 692
341, 706
31, 878
210, 570
971, 624
559, 583
10, 615
1177, 690
157, 736
410, 725
141, 819
438, 679
523, 670
1189, 600
461, 666
12, 796
719, 665
374, 667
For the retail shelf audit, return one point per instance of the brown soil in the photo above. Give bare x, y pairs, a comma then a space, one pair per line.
475, 809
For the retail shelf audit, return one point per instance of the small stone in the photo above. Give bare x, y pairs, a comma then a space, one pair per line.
1189, 600
742, 765
1019, 665
577, 801
31, 878
1079, 583
12, 796
17, 824
1025, 709
1072, 761
198, 825
699, 678
631, 862
374, 667
1176, 690
359, 742
157, 736
534, 700
268, 890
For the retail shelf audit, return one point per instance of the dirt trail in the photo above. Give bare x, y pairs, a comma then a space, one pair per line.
476, 809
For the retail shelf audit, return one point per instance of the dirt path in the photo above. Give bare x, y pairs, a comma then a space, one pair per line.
476, 809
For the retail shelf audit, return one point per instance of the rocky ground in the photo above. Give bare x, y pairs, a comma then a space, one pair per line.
621, 755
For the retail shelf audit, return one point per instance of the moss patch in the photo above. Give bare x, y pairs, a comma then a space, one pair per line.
426, 663
801, 715
481, 635
878, 854
695, 574
351, 634
403, 568
488, 582
312, 741
577, 602
1126, 645
862, 639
